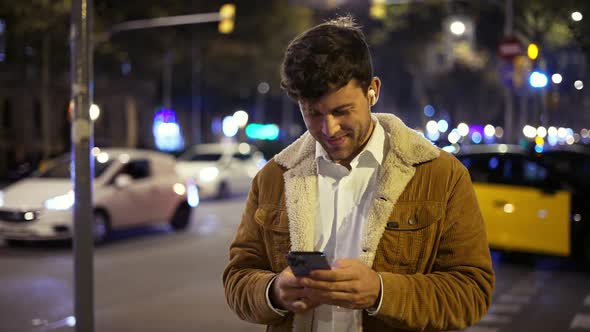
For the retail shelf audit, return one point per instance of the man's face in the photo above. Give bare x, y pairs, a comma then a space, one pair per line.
341, 120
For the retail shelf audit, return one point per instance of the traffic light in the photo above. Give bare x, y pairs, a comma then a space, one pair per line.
378, 9
533, 51
227, 13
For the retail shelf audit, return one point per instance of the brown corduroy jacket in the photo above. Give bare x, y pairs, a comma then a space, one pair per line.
425, 236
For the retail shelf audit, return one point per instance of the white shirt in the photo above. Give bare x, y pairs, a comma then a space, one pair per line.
344, 201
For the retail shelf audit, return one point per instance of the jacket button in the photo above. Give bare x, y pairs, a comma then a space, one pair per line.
365, 249
412, 221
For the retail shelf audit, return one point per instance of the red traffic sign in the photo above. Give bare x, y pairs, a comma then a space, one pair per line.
510, 47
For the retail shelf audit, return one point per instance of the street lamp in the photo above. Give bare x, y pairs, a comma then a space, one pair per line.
457, 28
577, 16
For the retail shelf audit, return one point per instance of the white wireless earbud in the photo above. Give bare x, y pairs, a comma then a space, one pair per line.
372, 97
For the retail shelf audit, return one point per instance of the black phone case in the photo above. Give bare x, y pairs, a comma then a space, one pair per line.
303, 262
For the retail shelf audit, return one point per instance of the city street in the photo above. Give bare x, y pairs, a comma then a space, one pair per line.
155, 280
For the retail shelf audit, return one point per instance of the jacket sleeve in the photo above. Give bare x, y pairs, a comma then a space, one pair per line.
458, 291
248, 273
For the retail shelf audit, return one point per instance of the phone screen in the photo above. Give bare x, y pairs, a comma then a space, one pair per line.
303, 262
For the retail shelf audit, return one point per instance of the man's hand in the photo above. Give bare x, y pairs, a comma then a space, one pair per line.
287, 293
350, 284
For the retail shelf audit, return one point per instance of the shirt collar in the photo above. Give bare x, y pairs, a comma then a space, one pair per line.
374, 147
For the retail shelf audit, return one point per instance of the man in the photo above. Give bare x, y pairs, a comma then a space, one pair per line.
396, 216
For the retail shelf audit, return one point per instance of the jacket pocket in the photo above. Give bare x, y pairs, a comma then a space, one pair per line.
408, 242
274, 224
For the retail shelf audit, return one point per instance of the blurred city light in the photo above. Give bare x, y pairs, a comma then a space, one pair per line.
102, 157
463, 129
244, 148
429, 111
570, 140
442, 126
378, 9
539, 141
263, 88
241, 118
499, 132
552, 131
433, 135
532, 51
552, 140
457, 28
229, 126
541, 132
561, 133
431, 126
579, 85
179, 189
577, 16
556, 78
489, 130
538, 79
454, 136
584, 132
503, 148
166, 131
227, 13
529, 131
262, 131
94, 112
476, 137
538, 148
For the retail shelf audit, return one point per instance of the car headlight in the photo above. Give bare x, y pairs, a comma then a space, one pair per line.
62, 202
208, 174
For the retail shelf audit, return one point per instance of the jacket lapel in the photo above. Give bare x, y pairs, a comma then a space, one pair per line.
405, 149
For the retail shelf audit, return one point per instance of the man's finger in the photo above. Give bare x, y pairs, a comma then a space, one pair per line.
334, 275
333, 286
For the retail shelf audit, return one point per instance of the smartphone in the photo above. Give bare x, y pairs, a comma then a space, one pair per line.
303, 262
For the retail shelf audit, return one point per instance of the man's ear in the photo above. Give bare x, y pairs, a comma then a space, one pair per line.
372, 97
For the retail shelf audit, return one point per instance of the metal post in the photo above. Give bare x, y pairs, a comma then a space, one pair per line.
82, 142
195, 91
167, 81
508, 94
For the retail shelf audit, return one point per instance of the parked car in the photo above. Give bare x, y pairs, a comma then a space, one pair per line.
572, 166
131, 187
220, 169
528, 206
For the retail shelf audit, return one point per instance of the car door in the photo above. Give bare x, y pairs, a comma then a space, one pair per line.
240, 164
131, 203
522, 212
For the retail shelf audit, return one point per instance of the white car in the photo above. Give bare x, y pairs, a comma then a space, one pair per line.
220, 169
131, 187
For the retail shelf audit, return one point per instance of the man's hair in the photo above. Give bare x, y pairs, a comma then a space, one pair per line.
325, 58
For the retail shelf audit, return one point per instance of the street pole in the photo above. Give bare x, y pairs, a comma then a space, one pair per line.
167, 81
82, 142
508, 94
195, 91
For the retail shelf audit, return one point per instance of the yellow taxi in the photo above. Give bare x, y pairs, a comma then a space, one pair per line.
528, 206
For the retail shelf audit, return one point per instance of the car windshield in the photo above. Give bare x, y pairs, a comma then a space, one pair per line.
196, 156
61, 169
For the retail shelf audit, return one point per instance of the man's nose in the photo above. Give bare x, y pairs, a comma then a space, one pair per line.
330, 126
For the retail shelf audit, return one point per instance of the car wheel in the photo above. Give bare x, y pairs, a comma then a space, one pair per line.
102, 227
223, 190
182, 217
